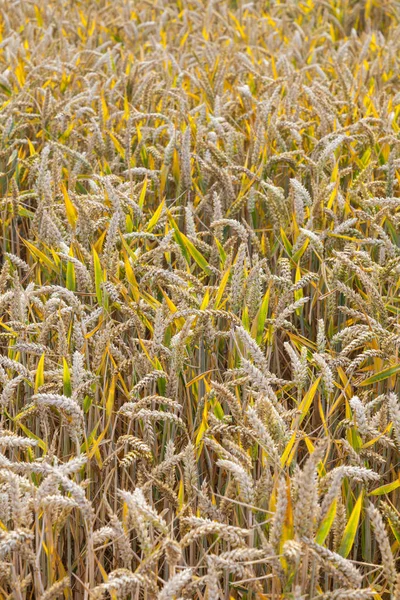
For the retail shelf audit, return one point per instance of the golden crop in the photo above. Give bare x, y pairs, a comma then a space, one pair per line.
199, 299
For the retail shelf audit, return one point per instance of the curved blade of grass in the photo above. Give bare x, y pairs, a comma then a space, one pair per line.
326, 525
350, 531
381, 376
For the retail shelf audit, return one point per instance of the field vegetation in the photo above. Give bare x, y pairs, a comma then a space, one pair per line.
199, 299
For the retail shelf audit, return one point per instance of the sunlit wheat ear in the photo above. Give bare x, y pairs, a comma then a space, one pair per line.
280, 514
360, 414
382, 538
394, 411
326, 373
201, 527
242, 478
306, 502
232, 401
343, 594
262, 435
56, 589
120, 583
252, 348
344, 569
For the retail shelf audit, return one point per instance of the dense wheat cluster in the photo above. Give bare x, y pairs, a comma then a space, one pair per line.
199, 299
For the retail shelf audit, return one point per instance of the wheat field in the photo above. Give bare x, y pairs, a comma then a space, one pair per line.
199, 299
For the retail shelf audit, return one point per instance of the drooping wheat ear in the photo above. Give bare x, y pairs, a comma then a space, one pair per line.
348, 594
78, 494
336, 477
262, 435
344, 567
56, 589
321, 339
121, 582
299, 366
394, 412
121, 538
213, 575
279, 516
17, 261
306, 506
243, 479
238, 278
148, 380
202, 527
186, 167
360, 413
327, 375
174, 585
396, 591
11, 540
190, 471
16, 441
138, 503
388, 563
66, 405
253, 349
230, 398
281, 319
292, 551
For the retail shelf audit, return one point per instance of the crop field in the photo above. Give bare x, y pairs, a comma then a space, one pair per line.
199, 299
